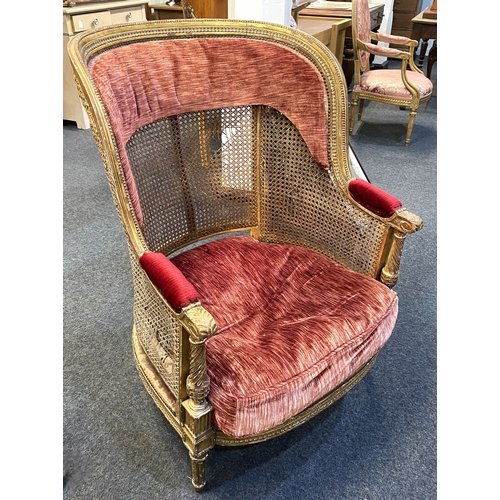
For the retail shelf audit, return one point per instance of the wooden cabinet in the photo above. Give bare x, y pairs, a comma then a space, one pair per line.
84, 17
403, 11
217, 9
164, 11
207, 8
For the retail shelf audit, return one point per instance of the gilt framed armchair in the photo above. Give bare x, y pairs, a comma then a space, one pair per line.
406, 87
262, 267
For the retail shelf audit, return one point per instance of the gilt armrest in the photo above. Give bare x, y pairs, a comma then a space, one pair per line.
379, 50
402, 41
397, 40
401, 222
403, 55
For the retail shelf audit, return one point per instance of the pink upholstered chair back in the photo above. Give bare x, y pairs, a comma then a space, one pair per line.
198, 92
361, 30
206, 74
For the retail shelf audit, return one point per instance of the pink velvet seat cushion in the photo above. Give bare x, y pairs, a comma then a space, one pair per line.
388, 82
292, 326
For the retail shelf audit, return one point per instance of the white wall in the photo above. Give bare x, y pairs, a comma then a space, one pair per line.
274, 11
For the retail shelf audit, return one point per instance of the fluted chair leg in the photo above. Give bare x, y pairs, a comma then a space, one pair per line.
361, 104
411, 121
354, 105
198, 468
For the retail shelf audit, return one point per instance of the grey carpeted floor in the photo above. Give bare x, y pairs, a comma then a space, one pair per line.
377, 443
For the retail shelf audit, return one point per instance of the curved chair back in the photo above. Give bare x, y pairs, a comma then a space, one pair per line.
209, 128
216, 104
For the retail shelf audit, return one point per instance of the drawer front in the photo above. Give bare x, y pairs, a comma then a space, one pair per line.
91, 21
402, 20
406, 6
131, 14
401, 32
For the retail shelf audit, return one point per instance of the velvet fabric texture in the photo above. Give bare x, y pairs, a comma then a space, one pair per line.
373, 198
175, 288
292, 326
387, 37
144, 82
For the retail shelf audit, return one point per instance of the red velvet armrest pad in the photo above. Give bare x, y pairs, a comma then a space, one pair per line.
373, 198
173, 285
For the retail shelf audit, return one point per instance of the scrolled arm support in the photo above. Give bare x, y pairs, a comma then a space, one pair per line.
390, 272
198, 433
200, 325
404, 223
407, 56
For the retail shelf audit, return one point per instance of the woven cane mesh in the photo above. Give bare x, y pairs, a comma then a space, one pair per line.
195, 175
157, 328
301, 204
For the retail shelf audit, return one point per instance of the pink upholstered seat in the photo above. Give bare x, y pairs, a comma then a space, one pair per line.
388, 82
292, 325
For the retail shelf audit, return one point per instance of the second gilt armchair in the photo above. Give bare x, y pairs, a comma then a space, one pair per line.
404, 87
262, 267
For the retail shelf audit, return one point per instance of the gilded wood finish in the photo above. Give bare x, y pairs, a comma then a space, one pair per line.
181, 389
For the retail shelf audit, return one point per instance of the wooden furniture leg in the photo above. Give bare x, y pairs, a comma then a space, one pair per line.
432, 58
423, 50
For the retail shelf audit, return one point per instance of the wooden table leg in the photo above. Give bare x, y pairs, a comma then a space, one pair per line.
423, 50
432, 58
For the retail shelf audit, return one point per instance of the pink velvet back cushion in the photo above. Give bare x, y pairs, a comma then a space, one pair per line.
144, 82
292, 325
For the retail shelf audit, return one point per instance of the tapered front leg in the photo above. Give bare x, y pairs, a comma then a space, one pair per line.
198, 467
361, 103
411, 121
354, 105
198, 432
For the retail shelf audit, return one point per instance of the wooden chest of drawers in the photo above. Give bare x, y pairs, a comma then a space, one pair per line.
403, 11
86, 17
